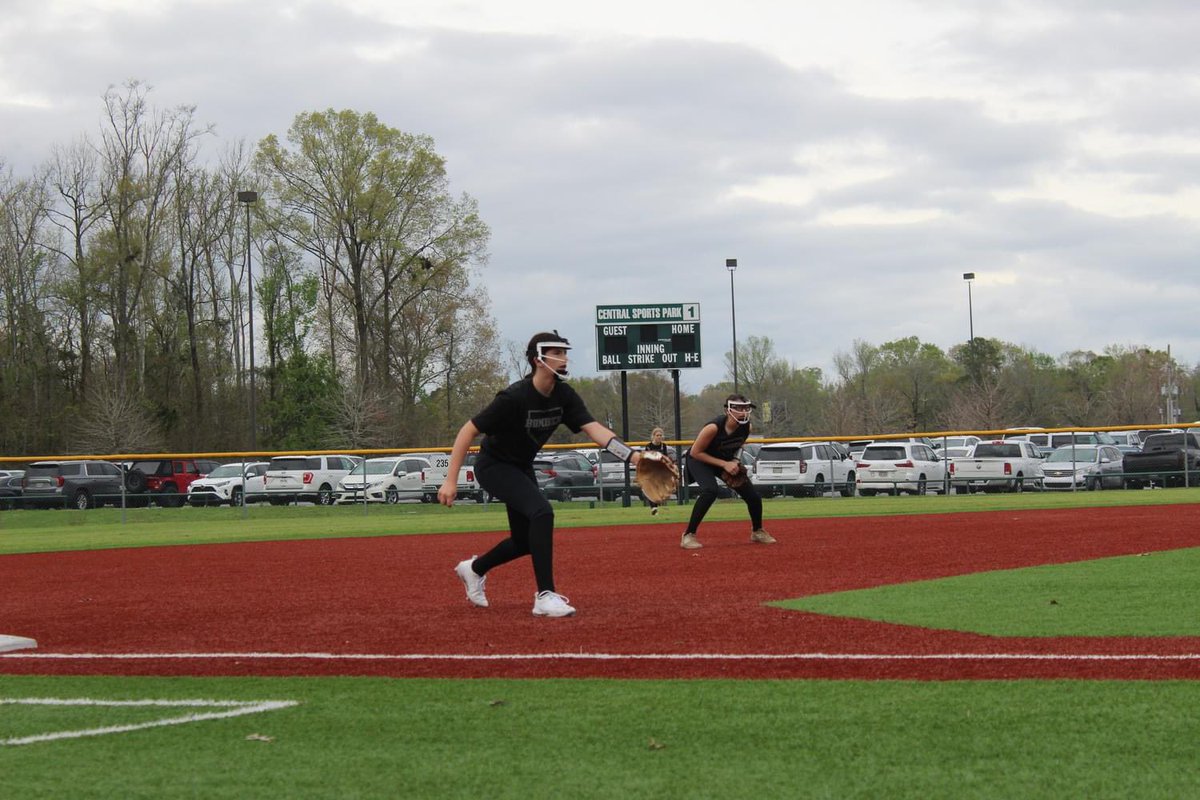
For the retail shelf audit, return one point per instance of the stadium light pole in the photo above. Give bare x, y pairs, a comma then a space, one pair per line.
968, 277
731, 265
247, 198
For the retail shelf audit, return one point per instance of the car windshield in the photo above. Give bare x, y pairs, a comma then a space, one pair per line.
373, 468
884, 454
1066, 454
226, 471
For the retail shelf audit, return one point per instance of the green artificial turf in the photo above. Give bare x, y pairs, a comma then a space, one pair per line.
1152, 594
367, 737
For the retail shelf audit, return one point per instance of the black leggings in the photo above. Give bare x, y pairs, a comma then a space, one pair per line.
705, 476
530, 519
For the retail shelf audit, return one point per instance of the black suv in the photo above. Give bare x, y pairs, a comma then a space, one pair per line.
82, 484
565, 475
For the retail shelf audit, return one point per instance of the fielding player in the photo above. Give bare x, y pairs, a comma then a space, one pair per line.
715, 453
515, 426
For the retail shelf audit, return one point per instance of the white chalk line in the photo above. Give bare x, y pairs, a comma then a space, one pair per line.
233, 708
814, 656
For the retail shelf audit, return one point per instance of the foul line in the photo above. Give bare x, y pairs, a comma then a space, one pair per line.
609, 656
235, 708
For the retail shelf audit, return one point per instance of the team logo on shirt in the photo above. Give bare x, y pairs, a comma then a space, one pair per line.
540, 423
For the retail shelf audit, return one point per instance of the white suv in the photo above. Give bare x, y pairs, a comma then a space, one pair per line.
895, 467
293, 478
229, 483
803, 468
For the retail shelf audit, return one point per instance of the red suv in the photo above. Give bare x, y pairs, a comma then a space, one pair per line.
165, 480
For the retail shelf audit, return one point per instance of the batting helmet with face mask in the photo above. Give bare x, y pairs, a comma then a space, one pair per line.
739, 408
540, 344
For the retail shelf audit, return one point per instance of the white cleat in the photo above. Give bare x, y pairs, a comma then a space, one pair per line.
551, 604
473, 583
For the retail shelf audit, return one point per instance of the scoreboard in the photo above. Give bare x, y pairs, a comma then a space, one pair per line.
655, 336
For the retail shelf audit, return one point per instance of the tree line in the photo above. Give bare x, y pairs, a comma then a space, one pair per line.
912, 386
323, 290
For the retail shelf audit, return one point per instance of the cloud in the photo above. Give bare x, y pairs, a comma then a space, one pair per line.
1046, 147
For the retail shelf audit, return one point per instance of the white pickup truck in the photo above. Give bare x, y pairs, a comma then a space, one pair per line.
439, 463
998, 466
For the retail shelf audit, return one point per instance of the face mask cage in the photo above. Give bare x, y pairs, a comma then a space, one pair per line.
735, 408
543, 348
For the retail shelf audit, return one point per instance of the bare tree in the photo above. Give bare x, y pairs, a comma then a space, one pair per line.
74, 177
360, 420
114, 420
141, 148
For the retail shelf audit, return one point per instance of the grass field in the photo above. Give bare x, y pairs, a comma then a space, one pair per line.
373, 737
356, 737
1145, 595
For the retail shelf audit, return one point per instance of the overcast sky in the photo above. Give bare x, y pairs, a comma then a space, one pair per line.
856, 157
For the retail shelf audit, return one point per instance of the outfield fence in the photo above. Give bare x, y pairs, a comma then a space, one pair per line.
624, 489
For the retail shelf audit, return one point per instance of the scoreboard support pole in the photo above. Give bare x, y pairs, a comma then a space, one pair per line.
625, 431
681, 495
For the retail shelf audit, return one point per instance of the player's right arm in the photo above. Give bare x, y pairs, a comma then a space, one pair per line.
458, 454
699, 449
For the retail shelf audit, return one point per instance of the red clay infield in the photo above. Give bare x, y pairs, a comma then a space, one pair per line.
647, 609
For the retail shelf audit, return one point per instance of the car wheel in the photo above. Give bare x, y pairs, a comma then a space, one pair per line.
237, 497
1018, 485
866, 492
1095, 484
818, 488
325, 496
169, 497
83, 500
565, 495
921, 486
391, 497
848, 489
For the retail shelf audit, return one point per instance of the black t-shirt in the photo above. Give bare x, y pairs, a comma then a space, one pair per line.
724, 445
519, 422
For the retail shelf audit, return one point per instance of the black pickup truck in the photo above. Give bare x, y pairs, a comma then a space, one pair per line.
1167, 459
